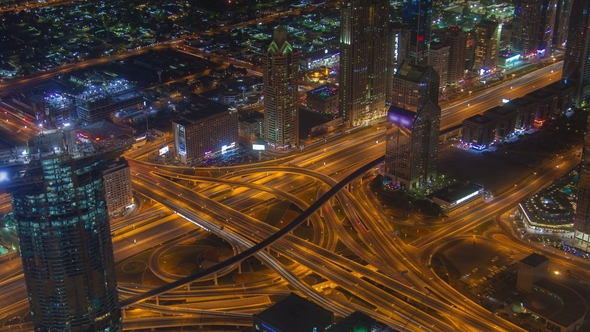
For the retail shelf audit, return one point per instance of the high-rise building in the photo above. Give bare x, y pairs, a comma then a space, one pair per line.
532, 30
399, 41
206, 128
456, 38
58, 201
417, 15
413, 85
413, 127
562, 19
117, 186
363, 60
439, 60
486, 45
576, 63
280, 75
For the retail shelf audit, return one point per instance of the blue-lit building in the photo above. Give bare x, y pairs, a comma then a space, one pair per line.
417, 15
62, 222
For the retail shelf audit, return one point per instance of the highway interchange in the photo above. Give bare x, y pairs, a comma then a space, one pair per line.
223, 205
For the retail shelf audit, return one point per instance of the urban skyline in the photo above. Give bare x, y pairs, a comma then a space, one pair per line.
295, 166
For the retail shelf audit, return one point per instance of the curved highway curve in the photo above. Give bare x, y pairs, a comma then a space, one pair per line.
263, 244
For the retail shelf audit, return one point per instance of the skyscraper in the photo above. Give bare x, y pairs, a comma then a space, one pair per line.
486, 45
363, 60
533, 24
417, 15
413, 127
399, 38
439, 60
63, 229
456, 38
562, 22
576, 63
281, 68
576, 67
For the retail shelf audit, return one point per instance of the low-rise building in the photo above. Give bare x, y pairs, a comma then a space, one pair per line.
292, 314
505, 120
546, 104
479, 131
565, 92
526, 110
323, 100
457, 197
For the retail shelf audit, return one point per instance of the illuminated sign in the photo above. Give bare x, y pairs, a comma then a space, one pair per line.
224, 148
181, 140
163, 150
459, 201
3, 176
258, 147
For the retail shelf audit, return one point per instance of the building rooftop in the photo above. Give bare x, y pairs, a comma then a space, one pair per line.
200, 108
534, 260
457, 191
358, 321
563, 306
520, 102
324, 92
560, 85
295, 314
540, 94
479, 119
409, 72
499, 111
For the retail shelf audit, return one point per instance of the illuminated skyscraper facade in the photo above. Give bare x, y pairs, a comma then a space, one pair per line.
280, 71
486, 45
363, 60
456, 38
413, 127
576, 67
576, 63
533, 24
417, 15
64, 236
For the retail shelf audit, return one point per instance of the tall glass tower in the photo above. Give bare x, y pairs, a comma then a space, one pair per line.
413, 127
64, 235
363, 71
417, 15
576, 63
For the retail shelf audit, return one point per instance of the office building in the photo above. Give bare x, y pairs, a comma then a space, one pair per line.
100, 101
293, 314
413, 127
439, 61
486, 45
576, 63
363, 60
117, 186
417, 16
280, 71
564, 91
562, 19
457, 40
62, 223
546, 26
479, 131
505, 120
204, 129
413, 85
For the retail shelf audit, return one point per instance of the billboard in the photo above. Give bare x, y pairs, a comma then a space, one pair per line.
181, 140
163, 150
258, 147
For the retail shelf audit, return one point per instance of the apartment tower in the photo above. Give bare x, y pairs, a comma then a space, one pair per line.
363, 60
280, 75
